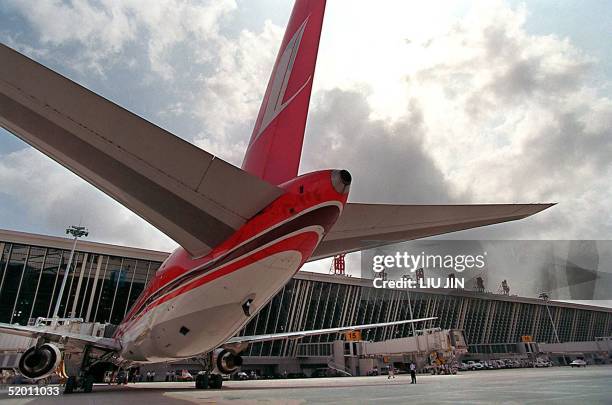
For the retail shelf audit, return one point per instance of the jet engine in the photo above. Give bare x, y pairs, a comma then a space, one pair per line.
39, 362
228, 362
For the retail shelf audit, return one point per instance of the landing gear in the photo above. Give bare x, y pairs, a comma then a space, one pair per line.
215, 381
207, 379
84, 383
81, 378
71, 383
201, 381
88, 382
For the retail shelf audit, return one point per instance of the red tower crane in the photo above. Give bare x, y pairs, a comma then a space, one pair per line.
338, 265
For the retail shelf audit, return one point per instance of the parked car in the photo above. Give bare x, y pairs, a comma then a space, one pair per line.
542, 363
497, 364
490, 365
578, 363
374, 371
475, 365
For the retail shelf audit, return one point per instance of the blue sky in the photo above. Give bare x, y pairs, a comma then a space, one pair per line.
586, 24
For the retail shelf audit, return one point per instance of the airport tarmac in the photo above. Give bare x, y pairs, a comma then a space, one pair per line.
557, 385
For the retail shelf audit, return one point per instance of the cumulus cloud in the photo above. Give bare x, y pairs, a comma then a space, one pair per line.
524, 121
388, 160
103, 30
231, 96
505, 116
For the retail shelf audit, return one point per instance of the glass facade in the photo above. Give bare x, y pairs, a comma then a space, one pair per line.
494, 321
99, 288
102, 286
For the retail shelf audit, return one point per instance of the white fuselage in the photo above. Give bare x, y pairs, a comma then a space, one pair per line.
211, 313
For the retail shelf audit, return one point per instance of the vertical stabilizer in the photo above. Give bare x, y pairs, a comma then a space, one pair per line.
276, 143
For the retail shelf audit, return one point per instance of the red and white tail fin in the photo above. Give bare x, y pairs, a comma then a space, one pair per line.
276, 143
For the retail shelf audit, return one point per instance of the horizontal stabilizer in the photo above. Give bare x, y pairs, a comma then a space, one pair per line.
304, 333
195, 198
365, 226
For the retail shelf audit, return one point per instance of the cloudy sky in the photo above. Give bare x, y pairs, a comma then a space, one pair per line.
492, 102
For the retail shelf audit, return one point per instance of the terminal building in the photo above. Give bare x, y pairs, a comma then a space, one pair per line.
105, 280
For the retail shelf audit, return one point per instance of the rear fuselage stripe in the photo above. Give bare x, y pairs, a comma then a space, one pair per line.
323, 216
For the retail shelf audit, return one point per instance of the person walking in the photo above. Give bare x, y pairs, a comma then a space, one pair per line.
412, 373
391, 371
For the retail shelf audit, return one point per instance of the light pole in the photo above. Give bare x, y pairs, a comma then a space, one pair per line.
410, 308
76, 232
546, 298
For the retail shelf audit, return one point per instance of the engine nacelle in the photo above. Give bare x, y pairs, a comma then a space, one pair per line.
40, 362
228, 362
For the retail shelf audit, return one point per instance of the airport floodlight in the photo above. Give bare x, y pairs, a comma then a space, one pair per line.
77, 232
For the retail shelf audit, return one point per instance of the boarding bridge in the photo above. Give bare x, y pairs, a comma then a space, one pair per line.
361, 357
598, 351
427, 342
12, 346
74, 325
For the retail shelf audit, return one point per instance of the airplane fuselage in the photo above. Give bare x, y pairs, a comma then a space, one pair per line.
193, 305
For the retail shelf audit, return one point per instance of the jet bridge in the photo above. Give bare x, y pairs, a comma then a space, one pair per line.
362, 357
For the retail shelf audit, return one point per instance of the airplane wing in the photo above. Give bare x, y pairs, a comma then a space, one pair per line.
301, 334
53, 335
365, 226
192, 196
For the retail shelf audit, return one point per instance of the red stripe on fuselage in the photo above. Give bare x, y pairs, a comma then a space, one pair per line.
304, 243
320, 214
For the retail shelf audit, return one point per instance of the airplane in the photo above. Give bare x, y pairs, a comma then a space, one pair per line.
243, 232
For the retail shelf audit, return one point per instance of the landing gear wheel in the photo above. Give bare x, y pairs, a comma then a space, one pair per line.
88, 383
215, 382
70, 385
201, 381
